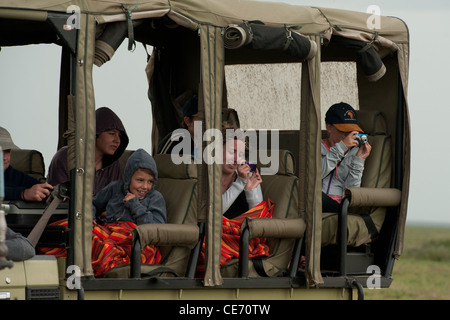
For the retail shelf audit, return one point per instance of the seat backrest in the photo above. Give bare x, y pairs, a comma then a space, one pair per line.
124, 158
378, 166
281, 188
29, 161
178, 185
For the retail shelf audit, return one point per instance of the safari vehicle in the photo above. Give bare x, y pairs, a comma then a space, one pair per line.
205, 47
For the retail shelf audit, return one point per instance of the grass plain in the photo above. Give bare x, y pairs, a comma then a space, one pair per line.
423, 270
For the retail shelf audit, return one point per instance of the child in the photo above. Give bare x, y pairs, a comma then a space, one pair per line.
342, 159
134, 199
119, 207
110, 143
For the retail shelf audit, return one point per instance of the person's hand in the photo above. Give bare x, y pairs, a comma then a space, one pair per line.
243, 171
129, 196
364, 150
38, 192
253, 181
350, 140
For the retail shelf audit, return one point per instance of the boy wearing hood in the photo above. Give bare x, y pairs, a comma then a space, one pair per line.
134, 198
111, 141
119, 207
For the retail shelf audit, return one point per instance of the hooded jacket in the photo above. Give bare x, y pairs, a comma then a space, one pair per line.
106, 119
151, 209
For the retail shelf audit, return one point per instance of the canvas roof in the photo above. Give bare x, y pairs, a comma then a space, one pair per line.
222, 13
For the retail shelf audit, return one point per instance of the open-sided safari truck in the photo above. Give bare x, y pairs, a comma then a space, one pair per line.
204, 47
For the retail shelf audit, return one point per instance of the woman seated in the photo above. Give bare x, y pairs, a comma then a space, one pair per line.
241, 198
241, 189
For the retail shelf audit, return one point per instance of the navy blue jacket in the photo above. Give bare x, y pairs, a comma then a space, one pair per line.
15, 182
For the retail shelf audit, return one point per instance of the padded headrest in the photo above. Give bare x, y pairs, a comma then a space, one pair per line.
372, 122
167, 169
29, 161
286, 161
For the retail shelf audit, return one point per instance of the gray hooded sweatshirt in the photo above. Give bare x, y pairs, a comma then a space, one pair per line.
151, 209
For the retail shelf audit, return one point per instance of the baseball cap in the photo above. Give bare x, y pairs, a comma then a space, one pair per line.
343, 117
6, 141
190, 108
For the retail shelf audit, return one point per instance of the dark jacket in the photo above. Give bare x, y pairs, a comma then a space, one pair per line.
151, 209
15, 182
106, 119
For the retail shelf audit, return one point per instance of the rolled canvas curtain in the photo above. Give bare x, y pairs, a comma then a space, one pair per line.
262, 37
368, 52
403, 62
107, 44
111, 39
366, 57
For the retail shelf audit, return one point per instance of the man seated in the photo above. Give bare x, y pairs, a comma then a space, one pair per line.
190, 115
19, 185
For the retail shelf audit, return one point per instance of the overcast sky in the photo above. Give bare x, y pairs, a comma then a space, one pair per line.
28, 76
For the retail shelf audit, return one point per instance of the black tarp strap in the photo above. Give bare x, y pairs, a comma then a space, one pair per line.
289, 39
128, 12
370, 225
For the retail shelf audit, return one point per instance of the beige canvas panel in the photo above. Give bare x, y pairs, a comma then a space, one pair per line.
310, 166
396, 67
81, 145
212, 60
222, 13
391, 28
403, 60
